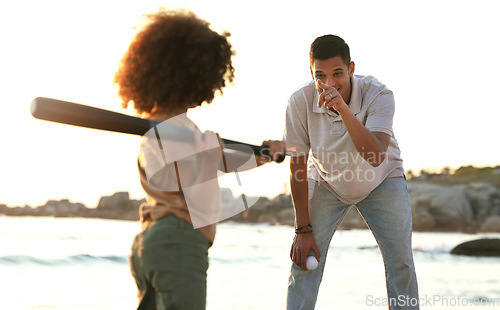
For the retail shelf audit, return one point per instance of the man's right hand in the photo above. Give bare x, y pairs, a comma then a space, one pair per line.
302, 244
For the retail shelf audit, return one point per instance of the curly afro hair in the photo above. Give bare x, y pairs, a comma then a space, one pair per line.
174, 62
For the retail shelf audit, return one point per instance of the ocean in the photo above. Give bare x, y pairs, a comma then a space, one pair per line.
75, 263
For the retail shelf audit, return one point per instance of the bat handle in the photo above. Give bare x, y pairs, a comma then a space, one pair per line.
257, 150
264, 151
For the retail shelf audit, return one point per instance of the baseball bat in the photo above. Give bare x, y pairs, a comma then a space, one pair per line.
76, 114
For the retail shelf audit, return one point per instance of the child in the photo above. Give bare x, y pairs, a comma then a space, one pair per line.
174, 63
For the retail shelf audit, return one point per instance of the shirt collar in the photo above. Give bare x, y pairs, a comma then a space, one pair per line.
354, 103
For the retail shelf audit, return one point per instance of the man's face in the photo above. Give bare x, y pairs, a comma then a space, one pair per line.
334, 72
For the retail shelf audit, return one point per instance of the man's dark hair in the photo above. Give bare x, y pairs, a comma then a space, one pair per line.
329, 46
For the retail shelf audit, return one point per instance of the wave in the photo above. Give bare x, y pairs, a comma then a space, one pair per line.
79, 259
431, 249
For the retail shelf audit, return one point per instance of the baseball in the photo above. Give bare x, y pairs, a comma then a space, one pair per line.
311, 263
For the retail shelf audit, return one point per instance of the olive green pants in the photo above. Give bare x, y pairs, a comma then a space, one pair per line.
169, 262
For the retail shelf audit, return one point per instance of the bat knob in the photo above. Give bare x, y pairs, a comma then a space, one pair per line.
265, 152
280, 159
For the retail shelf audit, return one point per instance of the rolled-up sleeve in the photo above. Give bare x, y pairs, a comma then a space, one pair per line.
296, 133
381, 113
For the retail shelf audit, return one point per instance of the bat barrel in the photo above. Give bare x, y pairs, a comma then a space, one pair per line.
86, 116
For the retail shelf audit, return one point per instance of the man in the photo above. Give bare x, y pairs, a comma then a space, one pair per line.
344, 152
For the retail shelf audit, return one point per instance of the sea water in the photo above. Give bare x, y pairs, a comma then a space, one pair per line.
74, 263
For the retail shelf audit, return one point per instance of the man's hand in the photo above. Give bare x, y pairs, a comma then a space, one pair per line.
330, 98
302, 244
276, 149
371, 146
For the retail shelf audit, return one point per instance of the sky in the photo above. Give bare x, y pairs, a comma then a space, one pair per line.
440, 58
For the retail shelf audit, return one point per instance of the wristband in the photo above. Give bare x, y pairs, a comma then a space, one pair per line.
300, 228
304, 232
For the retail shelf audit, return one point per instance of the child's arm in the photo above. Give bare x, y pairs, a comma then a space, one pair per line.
240, 161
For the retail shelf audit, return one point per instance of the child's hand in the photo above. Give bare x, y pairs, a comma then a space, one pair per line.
276, 150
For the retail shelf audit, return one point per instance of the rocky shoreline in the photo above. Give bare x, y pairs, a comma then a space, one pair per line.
118, 206
469, 208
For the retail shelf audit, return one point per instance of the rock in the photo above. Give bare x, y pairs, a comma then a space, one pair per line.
119, 200
3, 208
62, 208
278, 210
267, 218
491, 224
480, 247
286, 217
255, 214
283, 201
118, 206
483, 198
447, 205
422, 220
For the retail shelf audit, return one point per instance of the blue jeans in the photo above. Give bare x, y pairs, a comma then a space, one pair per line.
387, 213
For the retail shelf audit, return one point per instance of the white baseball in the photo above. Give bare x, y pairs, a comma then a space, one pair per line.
311, 263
